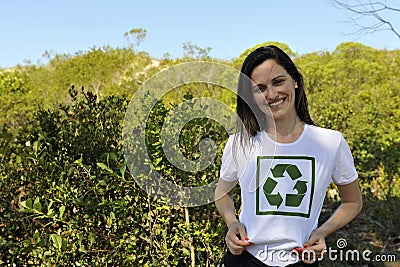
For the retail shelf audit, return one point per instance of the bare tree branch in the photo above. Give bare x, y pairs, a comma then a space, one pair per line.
370, 9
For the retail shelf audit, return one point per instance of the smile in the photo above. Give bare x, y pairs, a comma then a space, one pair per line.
277, 103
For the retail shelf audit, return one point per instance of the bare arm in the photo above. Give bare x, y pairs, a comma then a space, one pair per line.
236, 236
224, 201
349, 208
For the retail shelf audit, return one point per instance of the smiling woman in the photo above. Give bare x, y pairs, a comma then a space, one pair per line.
277, 89
275, 93
284, 164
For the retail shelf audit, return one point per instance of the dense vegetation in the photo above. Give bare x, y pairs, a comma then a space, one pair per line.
66, 195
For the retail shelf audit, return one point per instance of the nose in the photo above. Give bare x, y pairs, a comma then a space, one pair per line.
271, 93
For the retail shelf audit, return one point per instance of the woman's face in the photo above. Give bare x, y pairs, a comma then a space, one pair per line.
274, 90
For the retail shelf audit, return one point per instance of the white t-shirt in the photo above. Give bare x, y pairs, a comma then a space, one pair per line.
283, 187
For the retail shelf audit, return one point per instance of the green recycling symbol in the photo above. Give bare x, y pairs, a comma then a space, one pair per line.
291, 200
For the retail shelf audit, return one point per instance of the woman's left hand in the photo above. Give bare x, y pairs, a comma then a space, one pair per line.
314, 248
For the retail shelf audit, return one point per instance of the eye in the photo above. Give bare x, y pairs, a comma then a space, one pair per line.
279, 82
260, 88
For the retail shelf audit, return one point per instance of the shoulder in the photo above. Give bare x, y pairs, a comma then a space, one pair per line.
242, 139
243, 146
323, 132
324, 136
232, 142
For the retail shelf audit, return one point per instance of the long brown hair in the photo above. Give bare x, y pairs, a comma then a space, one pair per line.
252, 118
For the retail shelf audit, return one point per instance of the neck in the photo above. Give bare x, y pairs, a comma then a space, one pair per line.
286, 130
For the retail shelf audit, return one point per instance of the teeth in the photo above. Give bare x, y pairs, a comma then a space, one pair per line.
275, 104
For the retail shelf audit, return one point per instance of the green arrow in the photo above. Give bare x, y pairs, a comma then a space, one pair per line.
279, 169
275, 199
269, 185
301, 187
293, 172
293, 200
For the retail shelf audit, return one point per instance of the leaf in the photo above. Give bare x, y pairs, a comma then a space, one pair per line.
28, 203
37, 205
24, 207
113, 156
92, 237
36, 146
122, 170
70, 171
79, 161
57, 241
102, 166
50, 212
61, 210
36, 236
109, 222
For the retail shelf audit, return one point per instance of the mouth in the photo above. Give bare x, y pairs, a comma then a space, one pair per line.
276, 103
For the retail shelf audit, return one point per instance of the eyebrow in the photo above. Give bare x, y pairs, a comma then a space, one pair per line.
279, 76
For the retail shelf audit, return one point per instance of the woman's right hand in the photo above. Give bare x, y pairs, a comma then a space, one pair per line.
236, 238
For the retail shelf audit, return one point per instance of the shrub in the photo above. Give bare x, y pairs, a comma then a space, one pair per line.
76, 203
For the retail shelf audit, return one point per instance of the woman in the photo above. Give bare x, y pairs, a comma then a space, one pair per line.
284, 164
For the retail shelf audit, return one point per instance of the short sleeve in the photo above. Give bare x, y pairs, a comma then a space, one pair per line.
344, 171
228, 170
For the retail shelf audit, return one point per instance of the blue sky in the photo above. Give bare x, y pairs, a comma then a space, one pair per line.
29, 28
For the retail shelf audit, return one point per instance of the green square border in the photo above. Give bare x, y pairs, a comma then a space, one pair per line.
285, 213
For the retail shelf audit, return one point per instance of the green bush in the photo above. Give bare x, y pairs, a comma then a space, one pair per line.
355, 90
76, 204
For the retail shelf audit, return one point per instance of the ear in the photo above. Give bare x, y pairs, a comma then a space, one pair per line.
295, 85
